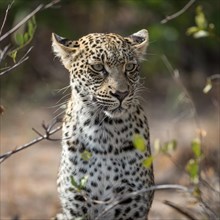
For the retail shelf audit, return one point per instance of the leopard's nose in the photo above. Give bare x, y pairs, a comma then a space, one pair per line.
120, 95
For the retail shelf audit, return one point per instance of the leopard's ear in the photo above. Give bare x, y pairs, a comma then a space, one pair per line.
65, 49
139, 42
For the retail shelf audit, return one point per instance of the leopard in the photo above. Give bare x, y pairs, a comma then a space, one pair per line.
101, 168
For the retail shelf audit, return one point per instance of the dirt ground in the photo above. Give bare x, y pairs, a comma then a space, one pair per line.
28, 179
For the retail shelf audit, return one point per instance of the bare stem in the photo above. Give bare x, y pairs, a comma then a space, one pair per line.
176, 76
5, 17
181, 210
3, 53
47, 136
170, 17
214, 77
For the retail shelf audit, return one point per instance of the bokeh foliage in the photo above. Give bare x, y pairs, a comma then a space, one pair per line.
73, 19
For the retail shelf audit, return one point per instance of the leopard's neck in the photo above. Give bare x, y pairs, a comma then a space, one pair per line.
92, 128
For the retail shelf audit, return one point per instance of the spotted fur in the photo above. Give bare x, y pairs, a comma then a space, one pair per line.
101, 119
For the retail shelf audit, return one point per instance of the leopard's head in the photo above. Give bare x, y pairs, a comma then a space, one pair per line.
104, 68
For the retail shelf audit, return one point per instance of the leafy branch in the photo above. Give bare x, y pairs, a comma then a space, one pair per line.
203, 28
30, 15
193, 166
22, 59
22, 40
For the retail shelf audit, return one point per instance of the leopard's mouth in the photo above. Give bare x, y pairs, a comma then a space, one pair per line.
112, 111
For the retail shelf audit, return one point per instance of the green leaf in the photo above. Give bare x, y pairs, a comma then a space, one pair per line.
83, 182
147, 162
192, 30
74, 183
86, 155
26, 37
13, 55
208, 86
196, 147
192, 168
30, 28
19, 39
139, 142
200, 18
201, 33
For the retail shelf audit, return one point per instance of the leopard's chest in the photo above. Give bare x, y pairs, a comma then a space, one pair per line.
100, 154
104, 172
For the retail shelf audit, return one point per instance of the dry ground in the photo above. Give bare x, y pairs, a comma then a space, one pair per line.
28, 179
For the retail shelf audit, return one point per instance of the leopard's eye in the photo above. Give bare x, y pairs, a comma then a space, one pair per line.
98, 67
130, 67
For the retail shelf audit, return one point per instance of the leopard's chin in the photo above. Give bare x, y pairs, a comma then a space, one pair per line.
116, 113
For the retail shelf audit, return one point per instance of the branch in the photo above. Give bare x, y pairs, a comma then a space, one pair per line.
23, 59
214, 77
5, 17
24, 20
170, 17
139, 192
3, 53
179, 209
49, 130
5, 50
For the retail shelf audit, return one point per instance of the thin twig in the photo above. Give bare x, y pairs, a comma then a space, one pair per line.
49, 5
211, 213
5, 50
3, 53
5, 17
132, 194
170, 17
48, 132
23, 59
214, 77
204, 182
181, 210
176, 76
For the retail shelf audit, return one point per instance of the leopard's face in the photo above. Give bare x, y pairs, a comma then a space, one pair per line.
104, 68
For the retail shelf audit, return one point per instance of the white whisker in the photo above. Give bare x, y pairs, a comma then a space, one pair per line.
63, 90
65, 96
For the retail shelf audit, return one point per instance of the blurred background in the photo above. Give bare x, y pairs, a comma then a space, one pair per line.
180, 107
